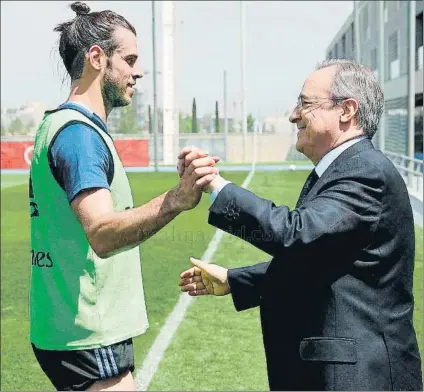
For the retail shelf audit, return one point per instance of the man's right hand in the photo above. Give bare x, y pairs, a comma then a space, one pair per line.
199, 174
205, 279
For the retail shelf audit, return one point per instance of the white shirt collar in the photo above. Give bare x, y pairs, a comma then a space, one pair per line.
331, 156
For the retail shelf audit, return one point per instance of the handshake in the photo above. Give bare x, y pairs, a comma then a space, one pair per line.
197, 173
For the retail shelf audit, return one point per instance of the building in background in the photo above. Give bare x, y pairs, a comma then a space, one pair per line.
278, 123
23, 120
396, 40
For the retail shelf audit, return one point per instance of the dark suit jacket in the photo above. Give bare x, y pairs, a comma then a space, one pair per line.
336, 300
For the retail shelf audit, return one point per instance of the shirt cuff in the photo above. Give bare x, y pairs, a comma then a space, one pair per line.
215, 193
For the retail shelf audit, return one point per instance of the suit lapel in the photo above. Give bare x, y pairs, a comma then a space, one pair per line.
329, 174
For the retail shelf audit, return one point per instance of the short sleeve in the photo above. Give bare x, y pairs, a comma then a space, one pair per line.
81, 160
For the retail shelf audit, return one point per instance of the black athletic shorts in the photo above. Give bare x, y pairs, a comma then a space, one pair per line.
77, 370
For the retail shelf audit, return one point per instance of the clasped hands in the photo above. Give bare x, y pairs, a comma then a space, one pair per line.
196, 163
198, 168
197, 171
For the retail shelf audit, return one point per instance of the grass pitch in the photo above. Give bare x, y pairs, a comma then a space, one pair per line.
215, 347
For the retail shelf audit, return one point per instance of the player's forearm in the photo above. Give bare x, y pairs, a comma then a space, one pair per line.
124, 230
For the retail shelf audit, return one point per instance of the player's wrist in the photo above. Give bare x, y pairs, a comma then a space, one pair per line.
174, 202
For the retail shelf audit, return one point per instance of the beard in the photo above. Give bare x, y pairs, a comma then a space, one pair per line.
114, 92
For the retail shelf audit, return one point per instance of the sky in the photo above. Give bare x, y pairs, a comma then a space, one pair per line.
284, 41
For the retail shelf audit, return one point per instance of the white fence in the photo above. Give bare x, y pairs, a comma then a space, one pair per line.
411, 169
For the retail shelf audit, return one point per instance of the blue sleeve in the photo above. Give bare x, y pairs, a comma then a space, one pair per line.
81, 160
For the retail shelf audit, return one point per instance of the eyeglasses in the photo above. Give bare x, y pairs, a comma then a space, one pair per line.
303, 102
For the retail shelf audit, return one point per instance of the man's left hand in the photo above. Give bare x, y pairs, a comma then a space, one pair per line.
205, 279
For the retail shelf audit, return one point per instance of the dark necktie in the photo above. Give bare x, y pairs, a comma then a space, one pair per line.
309, 183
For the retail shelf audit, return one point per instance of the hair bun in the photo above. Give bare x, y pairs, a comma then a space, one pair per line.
80, 8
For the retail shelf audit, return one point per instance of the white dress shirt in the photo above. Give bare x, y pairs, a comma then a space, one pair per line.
331, 156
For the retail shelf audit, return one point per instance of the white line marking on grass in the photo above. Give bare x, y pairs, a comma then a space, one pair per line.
150, 365
9, 184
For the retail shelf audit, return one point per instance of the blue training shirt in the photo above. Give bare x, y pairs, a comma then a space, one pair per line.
80, 158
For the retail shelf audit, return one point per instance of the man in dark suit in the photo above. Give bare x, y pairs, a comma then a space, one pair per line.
336, 299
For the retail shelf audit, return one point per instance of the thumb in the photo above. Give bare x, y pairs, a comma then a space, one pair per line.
199, 263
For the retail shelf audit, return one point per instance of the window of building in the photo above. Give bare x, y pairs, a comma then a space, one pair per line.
352, 32
419, 42
393, 49
419, 126
396, 139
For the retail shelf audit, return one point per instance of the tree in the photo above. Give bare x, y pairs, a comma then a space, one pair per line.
185, 123
250, 122
17, 127
217, 129
194, 117
128, 122
3, 129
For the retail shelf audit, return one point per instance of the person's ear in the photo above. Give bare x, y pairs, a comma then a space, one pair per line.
349, 110
96, 58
